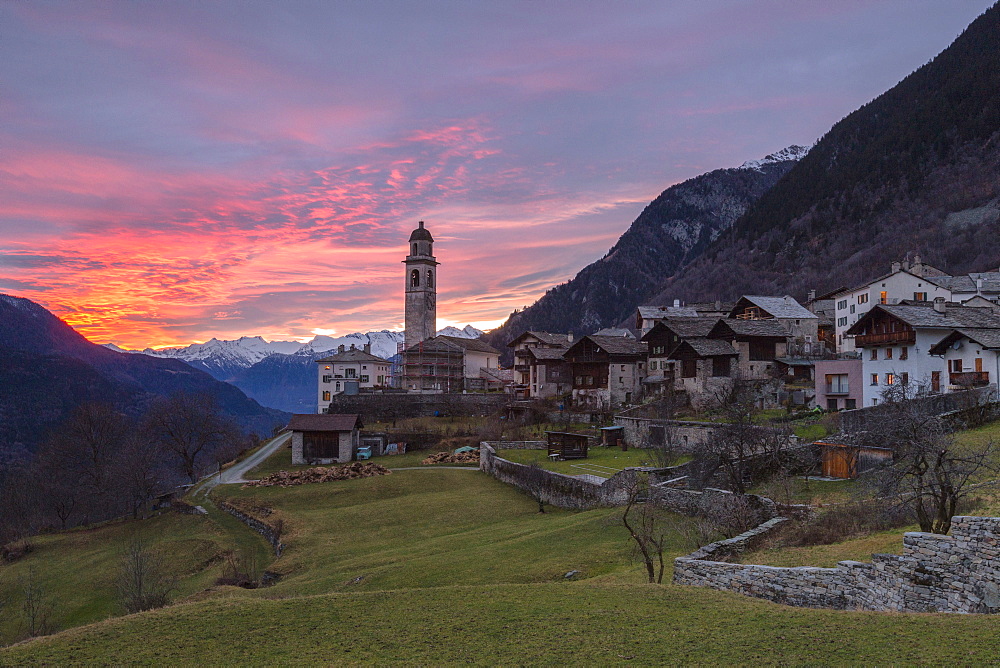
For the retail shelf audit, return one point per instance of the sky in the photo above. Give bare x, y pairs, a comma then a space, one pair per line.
176, 171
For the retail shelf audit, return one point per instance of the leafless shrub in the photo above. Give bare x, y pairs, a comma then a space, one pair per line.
837, 523
142, 582
649, 528
694, 532
36, 606
240, 570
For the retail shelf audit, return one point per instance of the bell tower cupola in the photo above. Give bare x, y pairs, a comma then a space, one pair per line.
421, 287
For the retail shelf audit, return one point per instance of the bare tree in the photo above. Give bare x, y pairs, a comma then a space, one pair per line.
142, 582
739, 446
647, 525
929, 469
191, 428
36, 606
139, 477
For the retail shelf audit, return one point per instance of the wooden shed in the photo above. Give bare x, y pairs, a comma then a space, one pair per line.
566, 445
842, 460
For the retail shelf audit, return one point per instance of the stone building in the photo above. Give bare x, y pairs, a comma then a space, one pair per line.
607, 371
349, 371
324, 439
539, 368
448, 364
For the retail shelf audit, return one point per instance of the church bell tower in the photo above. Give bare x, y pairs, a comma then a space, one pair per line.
421, 288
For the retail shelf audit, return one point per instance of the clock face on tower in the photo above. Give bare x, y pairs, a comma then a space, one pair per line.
431, 299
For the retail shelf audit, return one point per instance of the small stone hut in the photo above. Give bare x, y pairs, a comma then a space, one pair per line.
324, 439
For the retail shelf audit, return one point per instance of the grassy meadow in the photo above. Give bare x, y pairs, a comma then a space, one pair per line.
438, 566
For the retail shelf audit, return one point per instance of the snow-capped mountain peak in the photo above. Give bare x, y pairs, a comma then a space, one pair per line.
793, 152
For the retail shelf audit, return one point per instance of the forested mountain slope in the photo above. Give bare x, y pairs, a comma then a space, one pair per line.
917, 169
672, 230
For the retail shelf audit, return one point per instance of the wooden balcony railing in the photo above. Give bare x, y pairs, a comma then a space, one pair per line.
969, 378
886, 338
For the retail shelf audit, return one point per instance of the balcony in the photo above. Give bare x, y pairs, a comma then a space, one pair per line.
969, 378
837, 390
886, 339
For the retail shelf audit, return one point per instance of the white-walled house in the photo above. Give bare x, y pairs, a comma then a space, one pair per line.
912, 282
357, 367
971, 357
896, 342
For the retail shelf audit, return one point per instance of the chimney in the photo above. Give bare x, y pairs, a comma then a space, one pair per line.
368, 348
896, 266
569, 337
939, 304
677, 303
352, 346
917, 267
812, 296
718, 304
340, 348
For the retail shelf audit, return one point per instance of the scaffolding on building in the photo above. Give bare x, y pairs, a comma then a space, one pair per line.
434, 366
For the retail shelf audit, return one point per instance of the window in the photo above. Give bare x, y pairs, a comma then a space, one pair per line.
621, 380
623, 367
888, 353
337, 386
842, 304
837, 383
590, 380
414, 278
874, 402
430, 278
842, 322
326, 395
904, 378
919, 296
904, 353
327, 379
883, 297
863, 299
689, 368
852, 308
351, 373
956, 366
326, 368
850, 404
874, 354
890, 379
381, 380
364, 378
579, 380
874, 379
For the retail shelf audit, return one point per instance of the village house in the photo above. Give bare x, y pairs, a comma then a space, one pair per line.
839, 383
897, 339
349, 371
647, 316
971, 356
801, 325
704, 369
917, 282
758, 342
448, 364
324, 439
662, 340
607, 371
539, 368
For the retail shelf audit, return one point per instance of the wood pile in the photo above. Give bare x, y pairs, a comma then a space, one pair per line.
452, 458
320, 474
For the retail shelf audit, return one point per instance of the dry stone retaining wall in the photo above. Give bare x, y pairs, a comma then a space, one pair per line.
263, 528
957, 573
557, 489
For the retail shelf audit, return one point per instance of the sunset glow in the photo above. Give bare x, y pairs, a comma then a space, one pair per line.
176, 171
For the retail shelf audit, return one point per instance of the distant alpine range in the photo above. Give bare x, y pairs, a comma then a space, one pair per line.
281, 374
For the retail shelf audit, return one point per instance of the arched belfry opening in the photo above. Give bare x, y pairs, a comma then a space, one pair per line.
415, 278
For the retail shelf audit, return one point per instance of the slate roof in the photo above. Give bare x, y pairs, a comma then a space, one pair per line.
779, 307
421, 233
954, 317
476, 345
932, 274
356, 355
547, 353
324, 422
685, 327
967, 283
710, 347
657, 312
988, 338
769, 328
618, 345
547, 338
615, 331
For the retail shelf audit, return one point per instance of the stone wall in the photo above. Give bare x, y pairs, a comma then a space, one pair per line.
517, 445
398, 406
957, 573
557, 489
866, 419
263, 528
